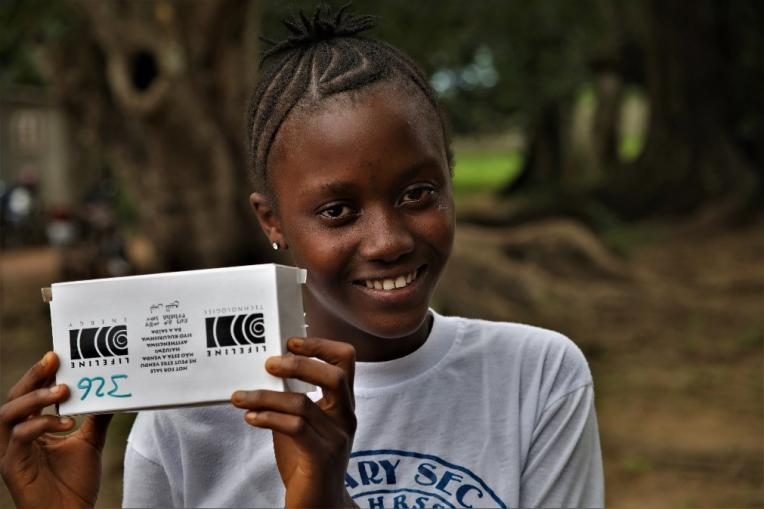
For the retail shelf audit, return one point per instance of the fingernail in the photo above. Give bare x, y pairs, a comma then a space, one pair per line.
273, 363
46, 359
237, 396
56, 389
66, 421
296, 342
250, 416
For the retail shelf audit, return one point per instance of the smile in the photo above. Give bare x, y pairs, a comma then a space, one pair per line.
391, 283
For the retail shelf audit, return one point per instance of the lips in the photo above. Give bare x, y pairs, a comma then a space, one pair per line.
391, 282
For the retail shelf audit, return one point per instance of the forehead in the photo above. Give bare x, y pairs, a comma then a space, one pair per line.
382, 128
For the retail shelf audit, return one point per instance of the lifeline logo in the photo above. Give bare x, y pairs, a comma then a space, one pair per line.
98, 346
405, 479
235, 330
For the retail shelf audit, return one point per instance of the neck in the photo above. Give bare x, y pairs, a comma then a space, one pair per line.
368, 347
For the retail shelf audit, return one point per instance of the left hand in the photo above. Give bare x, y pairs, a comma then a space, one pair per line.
40, 467
312, 441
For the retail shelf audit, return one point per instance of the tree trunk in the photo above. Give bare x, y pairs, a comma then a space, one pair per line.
543, 166
607, 69
161, 88
605, 125
689, 158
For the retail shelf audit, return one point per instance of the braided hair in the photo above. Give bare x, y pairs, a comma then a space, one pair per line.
323, 56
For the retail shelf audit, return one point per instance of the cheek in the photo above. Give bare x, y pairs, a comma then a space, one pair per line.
438, 226
324, 254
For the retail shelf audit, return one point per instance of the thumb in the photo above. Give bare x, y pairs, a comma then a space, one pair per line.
93, 429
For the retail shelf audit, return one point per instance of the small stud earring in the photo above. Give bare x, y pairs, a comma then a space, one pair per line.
275, 246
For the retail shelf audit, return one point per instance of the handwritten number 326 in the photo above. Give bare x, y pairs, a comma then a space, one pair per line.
97, 384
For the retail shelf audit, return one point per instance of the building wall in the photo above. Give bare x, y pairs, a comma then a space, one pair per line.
34, 146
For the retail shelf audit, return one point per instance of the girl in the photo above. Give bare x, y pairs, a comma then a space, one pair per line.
352, 167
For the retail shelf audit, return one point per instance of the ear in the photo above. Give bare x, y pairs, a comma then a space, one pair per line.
266, 216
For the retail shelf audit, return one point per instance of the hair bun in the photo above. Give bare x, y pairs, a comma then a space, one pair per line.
324, 25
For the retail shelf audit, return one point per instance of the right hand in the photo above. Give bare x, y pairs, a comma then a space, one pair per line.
312, 441
39, 468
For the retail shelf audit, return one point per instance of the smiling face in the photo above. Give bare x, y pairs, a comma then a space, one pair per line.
363, 201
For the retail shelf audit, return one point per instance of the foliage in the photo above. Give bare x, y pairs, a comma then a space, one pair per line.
497, 62
522, 65
24, 25
744, 73
480, 170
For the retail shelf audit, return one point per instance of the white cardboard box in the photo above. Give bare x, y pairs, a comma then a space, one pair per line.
174, 339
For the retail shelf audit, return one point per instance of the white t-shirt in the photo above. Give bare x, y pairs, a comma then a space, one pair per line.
484, 414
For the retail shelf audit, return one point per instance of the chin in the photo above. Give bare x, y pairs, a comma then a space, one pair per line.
394, 325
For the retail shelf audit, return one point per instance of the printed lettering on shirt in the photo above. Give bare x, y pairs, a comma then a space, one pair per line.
389, 478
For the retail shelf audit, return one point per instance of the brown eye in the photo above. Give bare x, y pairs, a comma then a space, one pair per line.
417, 195
336, 212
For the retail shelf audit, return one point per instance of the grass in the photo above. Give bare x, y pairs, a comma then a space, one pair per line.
630, 147
476, 172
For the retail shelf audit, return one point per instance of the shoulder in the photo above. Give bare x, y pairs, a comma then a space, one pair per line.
540, 359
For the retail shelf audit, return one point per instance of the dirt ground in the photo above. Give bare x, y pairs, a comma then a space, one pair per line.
674, 334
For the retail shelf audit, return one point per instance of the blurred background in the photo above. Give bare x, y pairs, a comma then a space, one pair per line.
608, 179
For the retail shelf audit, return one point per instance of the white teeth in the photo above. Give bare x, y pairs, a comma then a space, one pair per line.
391, 284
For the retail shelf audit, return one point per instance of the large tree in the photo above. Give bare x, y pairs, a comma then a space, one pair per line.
704, 123
158, 92
698, 66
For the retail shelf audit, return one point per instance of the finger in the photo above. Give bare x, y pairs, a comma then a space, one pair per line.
30, 430
49, 382
337, 353
25, 407
287, 403
294, 426
36, 377
332, 379
313, 371
94, 428
26, 432
30, 404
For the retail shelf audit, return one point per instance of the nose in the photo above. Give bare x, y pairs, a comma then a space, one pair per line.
387, 237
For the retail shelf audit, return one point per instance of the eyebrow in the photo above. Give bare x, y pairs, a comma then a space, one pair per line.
336, 188
347, 188
326, 188
417, 167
